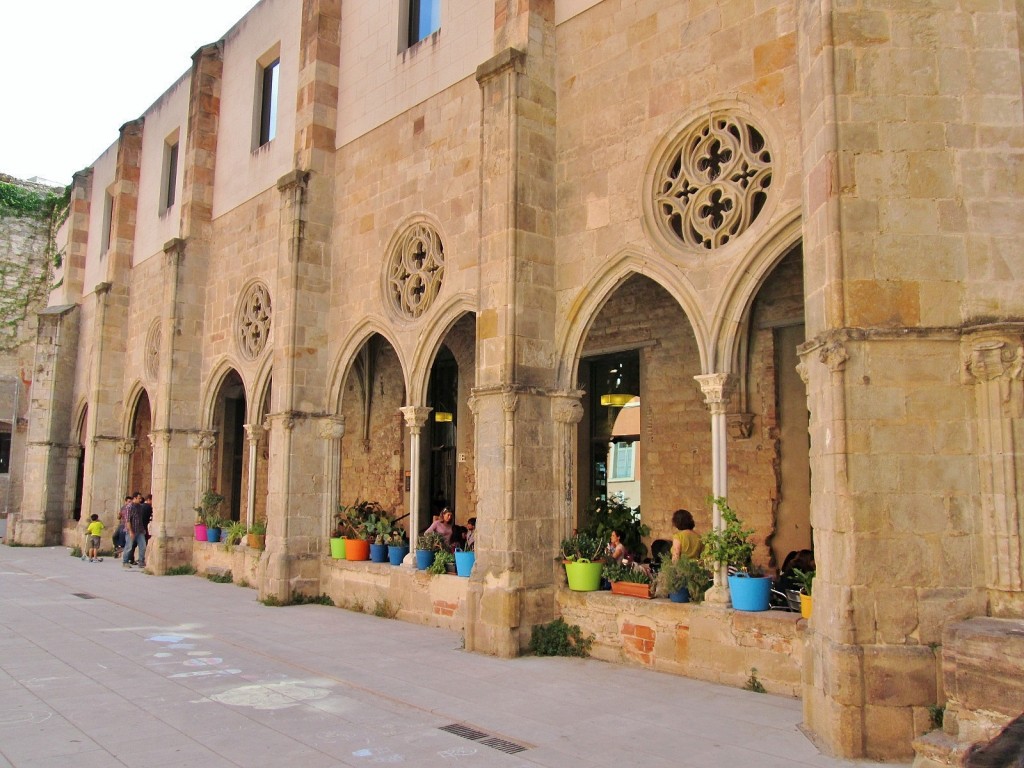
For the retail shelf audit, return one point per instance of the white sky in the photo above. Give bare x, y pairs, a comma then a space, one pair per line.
76, 70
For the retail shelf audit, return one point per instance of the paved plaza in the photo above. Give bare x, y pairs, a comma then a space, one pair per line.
105, 667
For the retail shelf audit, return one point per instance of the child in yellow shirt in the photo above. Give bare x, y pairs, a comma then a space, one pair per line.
94, 531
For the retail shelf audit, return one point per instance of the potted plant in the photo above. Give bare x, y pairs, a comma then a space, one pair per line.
806, 580
378, 531
398, 545
233, 534
616, 515
427, 547
581, 554
465, 557
352, 522
213, 526
442, 559
682, 580
628, 578
258, 534
731, 546
207, 510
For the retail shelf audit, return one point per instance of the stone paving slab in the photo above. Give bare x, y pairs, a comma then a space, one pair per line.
105, 667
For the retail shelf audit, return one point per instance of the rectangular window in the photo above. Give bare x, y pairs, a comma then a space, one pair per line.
424, 19
5, 452
622, 461
269, 82
170, 175
108, 222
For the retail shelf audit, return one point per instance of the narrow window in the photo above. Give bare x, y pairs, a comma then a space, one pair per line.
424, 19
268, 102
170, 174
5, 452
108, 222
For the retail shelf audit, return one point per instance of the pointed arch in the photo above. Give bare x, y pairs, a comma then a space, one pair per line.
350, 347
224, 367
431, 339
131, 400
261, 382
742, 285
594, 294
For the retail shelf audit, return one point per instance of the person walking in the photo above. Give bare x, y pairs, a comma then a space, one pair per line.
93, 533
136, 534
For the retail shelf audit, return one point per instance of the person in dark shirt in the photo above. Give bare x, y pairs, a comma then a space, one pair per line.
136, 533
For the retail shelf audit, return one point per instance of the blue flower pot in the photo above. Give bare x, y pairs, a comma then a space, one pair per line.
750, 593
212, 535
397, 554
682, 596
464, 562
378, 553
424, 559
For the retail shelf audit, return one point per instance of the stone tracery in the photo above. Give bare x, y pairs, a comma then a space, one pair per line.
415, 270
252, 329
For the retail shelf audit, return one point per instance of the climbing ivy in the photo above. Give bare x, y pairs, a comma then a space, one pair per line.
29, 259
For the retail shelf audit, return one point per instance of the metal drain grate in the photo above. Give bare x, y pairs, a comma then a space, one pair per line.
84, 595
494, 742
501, 745
464, 731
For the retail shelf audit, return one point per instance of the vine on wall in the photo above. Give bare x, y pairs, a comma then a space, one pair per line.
29, 221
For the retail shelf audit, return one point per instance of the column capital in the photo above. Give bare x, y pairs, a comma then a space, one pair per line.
717, 389
331, 428
126, 445
203, 440
566, 407
254, 432
415, 416
988, 358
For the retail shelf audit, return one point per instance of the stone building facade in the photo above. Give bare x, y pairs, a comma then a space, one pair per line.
796, 225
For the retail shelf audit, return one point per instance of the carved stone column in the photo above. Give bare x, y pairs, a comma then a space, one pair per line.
254, 434
567, 412
203, 442
332, 429
415, 418
994, 363
717, 388
125, 448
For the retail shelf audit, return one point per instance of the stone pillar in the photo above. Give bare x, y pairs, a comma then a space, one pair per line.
203, 442
45, 501
717, 389
332, 430
415, 418
124, 447
567, 412
254, 434
995, 365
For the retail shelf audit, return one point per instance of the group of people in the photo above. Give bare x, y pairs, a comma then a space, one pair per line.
455, 536
685, 541
133, 529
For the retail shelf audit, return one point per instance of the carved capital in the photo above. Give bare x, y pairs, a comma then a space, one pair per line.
995, 358
509, 400
801, 370
415, 416
254, 432
125, 446
834, 356
740, 425
566, 408
203, 441
473, 403
74, 451
717, 389
332, 428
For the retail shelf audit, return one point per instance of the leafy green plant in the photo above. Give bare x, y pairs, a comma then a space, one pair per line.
76, 551
753, 684
182, 570
221, 578
582, 547
378, 528
300, 599
432, 541
259, 528
236, 531
730, 546
208, 507
399, 537
937, 713
353, 519
682, 573
442, 559
805, 579
615, 515
271, 601
559, 639
632, 573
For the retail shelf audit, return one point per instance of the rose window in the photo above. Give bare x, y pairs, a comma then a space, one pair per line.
415, 270
713, 182
253, 328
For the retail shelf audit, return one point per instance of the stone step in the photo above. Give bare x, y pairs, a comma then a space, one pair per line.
937, 749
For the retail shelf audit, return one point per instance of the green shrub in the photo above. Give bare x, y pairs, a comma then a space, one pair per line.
221, 578
559, 639
385, 609
182, 570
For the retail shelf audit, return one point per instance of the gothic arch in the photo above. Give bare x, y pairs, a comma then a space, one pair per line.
430, 342
742, 285
128, 414
592, 296
220, 371
350, 347
262, 380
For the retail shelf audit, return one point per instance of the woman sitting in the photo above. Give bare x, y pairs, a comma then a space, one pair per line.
443, 527
616, 550
685, 541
